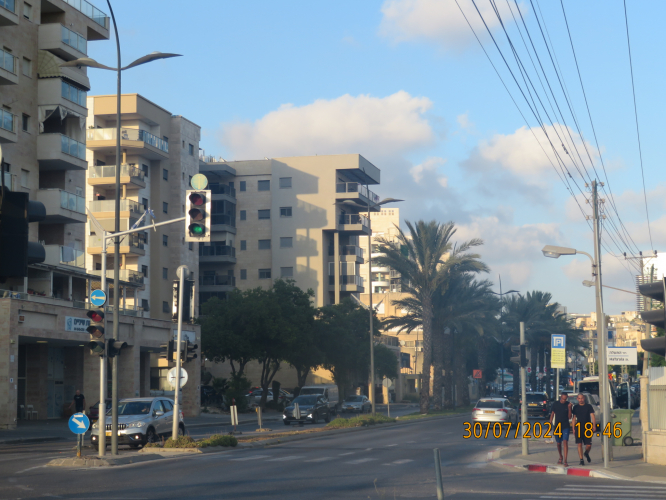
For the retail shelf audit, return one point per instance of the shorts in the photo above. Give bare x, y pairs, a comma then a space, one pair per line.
565, 436
583, 439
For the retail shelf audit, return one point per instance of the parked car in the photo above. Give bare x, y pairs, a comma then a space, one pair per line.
93, 412
312, 408
140, 421
358, 404
538, 404
592, 399
208, 396
254, 396
329, 392
495, 410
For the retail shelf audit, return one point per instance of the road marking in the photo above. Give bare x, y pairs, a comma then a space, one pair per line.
389, 445
344, 454
31, 468
633, 488
361, 460
400, 462
253, 457
285, 459
322, 459
623, 496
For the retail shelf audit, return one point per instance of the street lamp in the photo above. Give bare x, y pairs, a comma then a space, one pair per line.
91, 63
554, 252
502, 328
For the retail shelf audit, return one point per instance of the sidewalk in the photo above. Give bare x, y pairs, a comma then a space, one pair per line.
627, 463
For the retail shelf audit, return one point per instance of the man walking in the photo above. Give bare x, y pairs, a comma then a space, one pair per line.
79, 402
583, 413
560, 415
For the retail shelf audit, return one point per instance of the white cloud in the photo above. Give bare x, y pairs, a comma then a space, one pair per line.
377, 127
440, 21
465, 123
429, 166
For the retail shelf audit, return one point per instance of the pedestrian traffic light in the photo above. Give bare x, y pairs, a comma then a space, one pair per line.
96, 327
114, 347
197, 224
168, 351
521, 358
189, 352
188, 300
16, 252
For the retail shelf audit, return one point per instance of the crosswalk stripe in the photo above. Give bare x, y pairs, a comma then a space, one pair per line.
253, 457
361, 460
285, 459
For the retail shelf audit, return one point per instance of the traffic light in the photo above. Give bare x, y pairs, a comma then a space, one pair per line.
96, 327
189, 352
656, 317
521, 358
188, 300
114, 347
197, 224
169, 349
96, 346
16, 252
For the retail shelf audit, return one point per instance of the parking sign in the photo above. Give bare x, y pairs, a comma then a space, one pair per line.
558, 341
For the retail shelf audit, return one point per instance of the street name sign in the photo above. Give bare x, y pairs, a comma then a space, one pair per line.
622, 355
79, 423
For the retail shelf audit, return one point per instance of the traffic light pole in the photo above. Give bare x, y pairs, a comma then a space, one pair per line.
183, 271
101, 407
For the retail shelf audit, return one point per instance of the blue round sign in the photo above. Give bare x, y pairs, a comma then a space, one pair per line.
79, 423
98, 298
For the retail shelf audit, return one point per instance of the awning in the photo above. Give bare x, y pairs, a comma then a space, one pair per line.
47, 110
48, 66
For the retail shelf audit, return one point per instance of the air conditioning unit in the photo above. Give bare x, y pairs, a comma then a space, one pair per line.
419, 349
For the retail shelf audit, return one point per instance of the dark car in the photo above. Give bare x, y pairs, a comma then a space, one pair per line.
538, 404
312, 408
94, 411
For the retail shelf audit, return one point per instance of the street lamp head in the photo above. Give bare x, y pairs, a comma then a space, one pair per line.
555, 252
153, 56
388, 200
87, 62
589, 283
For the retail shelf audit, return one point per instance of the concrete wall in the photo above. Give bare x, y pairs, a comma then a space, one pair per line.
656, 447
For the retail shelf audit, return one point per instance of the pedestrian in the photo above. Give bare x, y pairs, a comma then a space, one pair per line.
583, 413
79, 402
560, 415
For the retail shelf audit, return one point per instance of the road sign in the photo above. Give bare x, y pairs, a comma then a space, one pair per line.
387, 382
98, 298
529, 369
79, 423
558, 341
199, 181
171, 377
558, 351
477, 374
622, 355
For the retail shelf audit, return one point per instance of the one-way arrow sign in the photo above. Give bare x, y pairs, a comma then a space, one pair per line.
79, 423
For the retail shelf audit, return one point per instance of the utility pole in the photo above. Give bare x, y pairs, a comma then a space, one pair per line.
182, 273
523, 396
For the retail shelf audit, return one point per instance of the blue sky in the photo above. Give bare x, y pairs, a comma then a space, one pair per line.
405, 84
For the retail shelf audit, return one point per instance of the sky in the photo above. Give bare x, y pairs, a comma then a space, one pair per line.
406, 84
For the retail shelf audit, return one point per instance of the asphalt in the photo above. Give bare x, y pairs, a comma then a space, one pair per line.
390, 462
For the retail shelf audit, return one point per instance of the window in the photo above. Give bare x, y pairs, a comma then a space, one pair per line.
165, 307
264, 214
264, 244
243, 244
285, 211
286, 242
191, 149
27, 10
190, 246
25, 178
264, 185
243, 274
144, 305
165, 273
264, 274
189, 181
145, 170
165, 174
26, 122
286, 272
144, 271
165, 207
165, 240
242, 185
243, 215
27, 67
285, 182
144, 201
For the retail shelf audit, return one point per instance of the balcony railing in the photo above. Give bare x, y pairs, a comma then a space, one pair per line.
7, 120
90, 11
71, 257
355, 187
347, 279
216, 188
72, 202
110, 206
217, 280
72, 147
74, 94
223, 219
211, 159
205, 251
126, 275
10, 5
128, 134
74, 40
100, 171
347, 250
7, 61
132, 240
354, 219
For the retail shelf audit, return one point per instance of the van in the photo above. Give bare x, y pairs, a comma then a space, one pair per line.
328, 391
591, 385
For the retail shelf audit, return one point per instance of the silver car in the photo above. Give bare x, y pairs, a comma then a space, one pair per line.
140, 421
359, 404
495, 410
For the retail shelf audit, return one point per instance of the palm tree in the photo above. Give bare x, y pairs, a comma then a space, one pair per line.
425, 257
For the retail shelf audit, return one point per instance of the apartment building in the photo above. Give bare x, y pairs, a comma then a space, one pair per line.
384, 224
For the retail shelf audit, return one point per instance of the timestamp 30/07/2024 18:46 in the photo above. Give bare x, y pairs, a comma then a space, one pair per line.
535, 430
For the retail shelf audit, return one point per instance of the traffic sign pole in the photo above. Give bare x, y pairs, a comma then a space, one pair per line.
183, 271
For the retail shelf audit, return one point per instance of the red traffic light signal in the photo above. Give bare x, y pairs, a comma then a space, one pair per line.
96, 328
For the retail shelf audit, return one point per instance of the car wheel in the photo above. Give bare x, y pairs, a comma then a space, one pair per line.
327, 419
134, 445
315, 418
151, 436
286, 423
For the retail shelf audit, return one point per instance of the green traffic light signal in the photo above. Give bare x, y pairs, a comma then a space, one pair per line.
197, 229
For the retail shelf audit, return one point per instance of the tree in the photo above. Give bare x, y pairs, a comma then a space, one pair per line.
386, 362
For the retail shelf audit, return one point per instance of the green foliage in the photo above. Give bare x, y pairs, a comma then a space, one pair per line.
180, 442
206, 376
386, 362
188, 442
220, 384
412, 397
360, 421
236, 390
218, 440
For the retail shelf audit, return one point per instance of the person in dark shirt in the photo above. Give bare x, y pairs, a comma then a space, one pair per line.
79, 402
560, 414
583, 413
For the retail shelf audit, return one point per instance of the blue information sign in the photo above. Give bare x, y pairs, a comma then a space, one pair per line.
98, 298
79, 423
558, 341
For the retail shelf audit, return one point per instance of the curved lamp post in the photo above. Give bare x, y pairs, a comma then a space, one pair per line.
502, 327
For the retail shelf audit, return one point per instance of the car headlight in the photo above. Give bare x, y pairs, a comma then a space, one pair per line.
136, 424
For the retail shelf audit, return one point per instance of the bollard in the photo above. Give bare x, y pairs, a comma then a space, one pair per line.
79, 438
234, 417
438, 474
259, 415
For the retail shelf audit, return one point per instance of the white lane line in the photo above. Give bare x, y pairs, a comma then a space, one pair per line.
253, 457
285, 459
31, 468
606, 497
633, 488
389, 445
360, 461
604, 494
400, 462
345, 454
322, 459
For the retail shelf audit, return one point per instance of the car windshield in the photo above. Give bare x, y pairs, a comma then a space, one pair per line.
312, 390
305, 400
536, 398
134, 407
489, 403
354, 399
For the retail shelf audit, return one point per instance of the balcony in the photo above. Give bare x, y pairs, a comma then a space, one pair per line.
59, 152
62, 41
129, 244
357, 192
8, 16
135, 141
7, 127
223, 222
8, 68
348, 253
222, 192
354, 223
62, 207
217, 253
348, 283
106, 176
125, 275
128, 208
59, 255
216, 283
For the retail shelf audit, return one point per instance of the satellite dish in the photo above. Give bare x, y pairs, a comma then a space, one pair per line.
402, 342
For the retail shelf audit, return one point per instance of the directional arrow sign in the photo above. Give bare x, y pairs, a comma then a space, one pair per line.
79, 423
98, 298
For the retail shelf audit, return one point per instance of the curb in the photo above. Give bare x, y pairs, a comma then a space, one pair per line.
32, 440
101, 462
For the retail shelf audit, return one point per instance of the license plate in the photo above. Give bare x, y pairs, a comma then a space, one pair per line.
532, 404
488, 411
108, 433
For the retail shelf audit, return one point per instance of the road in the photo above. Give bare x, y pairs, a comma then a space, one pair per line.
394, 462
